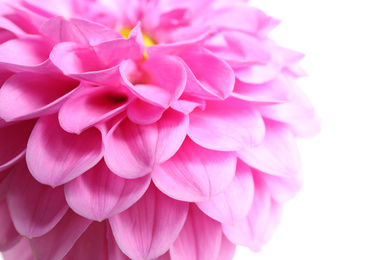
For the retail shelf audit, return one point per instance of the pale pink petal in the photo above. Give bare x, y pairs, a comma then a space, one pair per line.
195, 173
235, 202
29, 95
78, 30
35, 208
133, 150
13, 140
21, 251
60, 240
200, 237
99, 194
91, 105
148, 228
9, 237
227, 251
278, 153
226, 126
257, 73
55, 157
187, 104
144, 113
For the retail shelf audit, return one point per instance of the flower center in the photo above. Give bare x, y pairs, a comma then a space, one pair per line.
147, 40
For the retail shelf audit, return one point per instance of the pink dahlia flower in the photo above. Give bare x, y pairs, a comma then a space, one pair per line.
158, 129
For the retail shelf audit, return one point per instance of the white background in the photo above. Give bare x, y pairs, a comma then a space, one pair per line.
343, 210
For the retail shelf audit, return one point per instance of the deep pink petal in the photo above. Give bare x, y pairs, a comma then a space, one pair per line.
60, 240
144, 113
195, 173
278, 153
99, 194
55, 157
148, 228
227, 251
226, 126
13, 139
132, 150
35, 208
78, 30
114, 252
21, 251
89, 106
29, 95
8, 234
235, 202
200, 237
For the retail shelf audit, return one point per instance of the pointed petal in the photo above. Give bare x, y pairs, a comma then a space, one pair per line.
89, 106
29, 95
236, 201
144, 113
21, 251
35, 208
99, 194
227, 251
226, 126
57, 243
8, 234
277, 155
148, 228
78, 30
13, 139
133, 150
195, 173
200, 237
55, 157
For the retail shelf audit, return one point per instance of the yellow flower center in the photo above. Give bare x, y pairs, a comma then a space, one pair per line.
147, 40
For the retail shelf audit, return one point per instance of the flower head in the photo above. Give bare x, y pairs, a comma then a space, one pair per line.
145, 129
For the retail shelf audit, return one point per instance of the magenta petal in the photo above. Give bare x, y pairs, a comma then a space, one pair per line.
8, 234
235, 202
148, 228
200, 237
28, 95
89, 106
57, 243
195, 173
55, 157
226, 126
99, 194
35, 208
144, 113
13, 140
227, 251
277, 155
132, 150
21, 251
77, 30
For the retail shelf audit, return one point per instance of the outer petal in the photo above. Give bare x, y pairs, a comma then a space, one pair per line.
227, 251
35, 208
57, 243
114, 252
226, 126
55, 157
195, 173
29, 95
144, 113
92, 105
148, 228
21, 251
99, 194
133, 150
277, 155
236, 201
200, 238
8, 234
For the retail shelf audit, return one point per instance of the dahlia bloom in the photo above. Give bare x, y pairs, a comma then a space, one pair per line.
158, 129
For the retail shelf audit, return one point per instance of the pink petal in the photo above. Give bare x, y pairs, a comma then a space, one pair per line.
13, 139
29, 95
60, 240
55, 157
35, 208
21, 251
163, 81
277, 155
165, 256
144, 113
99, 194
200, 237
133, 150
114, 252
226, 126
91, 105
195, 173
187, 104
227, 251
148, 228
214, 76
8, 234
235, 202
77, 30
257, 73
